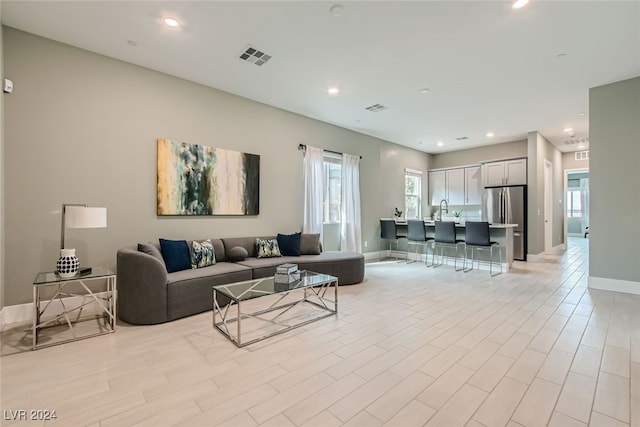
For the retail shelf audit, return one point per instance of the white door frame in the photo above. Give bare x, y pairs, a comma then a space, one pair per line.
566, 202
548, 207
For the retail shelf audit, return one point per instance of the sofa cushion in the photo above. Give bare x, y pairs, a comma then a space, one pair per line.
267, 248
218, 250
237, 253
175, 254
249, 243
202, 254
310, 244
289, 244
151, 249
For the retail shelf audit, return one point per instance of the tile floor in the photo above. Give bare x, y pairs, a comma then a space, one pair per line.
412, 346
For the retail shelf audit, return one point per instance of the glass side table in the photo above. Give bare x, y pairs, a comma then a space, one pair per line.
73, 304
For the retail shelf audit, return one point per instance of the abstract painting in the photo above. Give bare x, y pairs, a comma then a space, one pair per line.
200, 180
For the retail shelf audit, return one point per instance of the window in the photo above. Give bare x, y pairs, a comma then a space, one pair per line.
412, 192
574, 204
332, 199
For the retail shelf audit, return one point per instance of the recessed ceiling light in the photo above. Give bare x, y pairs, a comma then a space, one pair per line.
519, 3
170, 22
132, 43
425, 90
582, 113
440, 144
580, 146
490, 134
333, 90
420, 142
336, 10
568, 130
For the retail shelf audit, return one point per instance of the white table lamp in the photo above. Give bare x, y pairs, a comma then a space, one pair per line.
77, 216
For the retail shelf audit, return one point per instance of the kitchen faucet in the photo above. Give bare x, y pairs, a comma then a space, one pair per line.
446, 208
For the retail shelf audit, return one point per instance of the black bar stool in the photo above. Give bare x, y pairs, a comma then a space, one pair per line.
445, 238
389, 232
417, 235
477, 237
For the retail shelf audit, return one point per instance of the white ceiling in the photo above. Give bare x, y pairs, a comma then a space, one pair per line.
489, 67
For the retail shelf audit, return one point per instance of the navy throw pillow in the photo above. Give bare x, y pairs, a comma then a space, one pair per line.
289, 244
175, 254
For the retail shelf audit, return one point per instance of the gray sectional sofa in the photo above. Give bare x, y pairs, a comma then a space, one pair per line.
148, 294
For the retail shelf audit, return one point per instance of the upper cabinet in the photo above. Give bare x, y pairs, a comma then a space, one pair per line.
507, 172
437, 187
460, 186
472, 186
455, 186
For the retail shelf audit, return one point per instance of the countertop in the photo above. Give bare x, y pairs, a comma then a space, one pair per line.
430, 223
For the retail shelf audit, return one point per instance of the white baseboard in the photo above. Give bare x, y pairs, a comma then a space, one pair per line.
483, 265
373, 256
556, 250
24, 312
615, 285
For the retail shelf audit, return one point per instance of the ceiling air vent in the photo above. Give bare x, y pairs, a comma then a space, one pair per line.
461, 138
255, 56
376, 108
577, 141
582, 155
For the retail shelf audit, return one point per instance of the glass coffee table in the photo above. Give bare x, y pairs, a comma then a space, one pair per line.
262, 308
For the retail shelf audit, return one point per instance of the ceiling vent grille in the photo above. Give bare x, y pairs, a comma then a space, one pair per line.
582, 155
255, 56
577, 141
462, 138
376, 108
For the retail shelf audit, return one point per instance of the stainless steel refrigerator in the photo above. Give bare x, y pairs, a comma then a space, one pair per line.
508, 205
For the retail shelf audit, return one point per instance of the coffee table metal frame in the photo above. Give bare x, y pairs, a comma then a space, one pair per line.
312, 287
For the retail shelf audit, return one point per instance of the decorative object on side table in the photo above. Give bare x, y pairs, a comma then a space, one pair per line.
397, 213
286, 274
68, 263
76, 216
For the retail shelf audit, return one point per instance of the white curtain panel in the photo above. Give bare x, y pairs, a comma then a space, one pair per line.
313, 190
350, 224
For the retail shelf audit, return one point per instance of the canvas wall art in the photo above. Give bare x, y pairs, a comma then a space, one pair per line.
199, 180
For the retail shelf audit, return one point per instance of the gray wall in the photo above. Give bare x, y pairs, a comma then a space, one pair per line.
540, 149
2, 75
614, 250
480, 154
82, 128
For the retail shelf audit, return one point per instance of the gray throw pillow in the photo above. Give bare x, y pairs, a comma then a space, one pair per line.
237, 253
310, 244
151, 249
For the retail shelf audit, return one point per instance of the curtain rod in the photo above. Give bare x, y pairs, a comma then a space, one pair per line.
303, 147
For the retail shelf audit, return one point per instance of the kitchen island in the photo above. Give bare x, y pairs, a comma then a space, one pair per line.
501, 233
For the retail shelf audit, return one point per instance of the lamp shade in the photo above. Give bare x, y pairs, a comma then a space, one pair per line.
86, 217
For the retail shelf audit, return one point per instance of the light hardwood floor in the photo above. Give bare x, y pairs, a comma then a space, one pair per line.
411, 346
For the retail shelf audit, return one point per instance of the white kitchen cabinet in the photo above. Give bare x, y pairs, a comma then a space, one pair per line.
455, 186
437, 187
472, 186
507, 172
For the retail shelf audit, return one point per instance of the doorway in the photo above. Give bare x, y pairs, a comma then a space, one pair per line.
548, 207
576, 215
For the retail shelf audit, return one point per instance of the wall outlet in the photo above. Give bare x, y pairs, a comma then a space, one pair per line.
366, 243
7, 86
